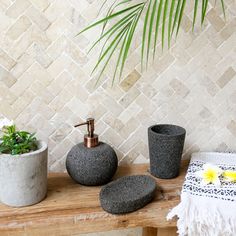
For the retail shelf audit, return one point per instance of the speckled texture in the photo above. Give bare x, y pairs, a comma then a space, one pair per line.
92, 166
127, 194
166, 144
23, 178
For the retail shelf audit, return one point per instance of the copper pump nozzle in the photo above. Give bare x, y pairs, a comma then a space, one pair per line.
91, 139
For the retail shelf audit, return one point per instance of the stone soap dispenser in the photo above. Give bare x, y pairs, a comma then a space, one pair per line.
92, 162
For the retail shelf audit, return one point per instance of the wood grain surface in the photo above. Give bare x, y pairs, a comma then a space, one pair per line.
70, 208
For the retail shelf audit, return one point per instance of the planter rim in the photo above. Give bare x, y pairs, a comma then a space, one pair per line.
181, 130
43, 146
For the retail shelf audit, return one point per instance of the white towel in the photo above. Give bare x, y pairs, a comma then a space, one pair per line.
207, 210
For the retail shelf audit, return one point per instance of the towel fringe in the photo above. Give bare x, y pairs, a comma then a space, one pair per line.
198, 217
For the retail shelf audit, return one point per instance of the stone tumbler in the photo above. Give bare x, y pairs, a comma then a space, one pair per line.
166, 144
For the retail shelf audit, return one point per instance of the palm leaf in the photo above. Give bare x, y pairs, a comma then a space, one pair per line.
195, 13
113, 42
153, 14
159, 12
158, 15
204, 8
129, 40
127, 26
172, 7
114, 28
180, 16
112, 46
144, 32
120, 57
223, 7
102, 6
109, 18
126, 21
164, 22
111, 10
177, 11
125, 48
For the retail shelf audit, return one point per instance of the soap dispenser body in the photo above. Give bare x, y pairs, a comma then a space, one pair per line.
92, 166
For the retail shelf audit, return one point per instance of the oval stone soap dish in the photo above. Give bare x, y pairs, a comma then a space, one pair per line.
127, 194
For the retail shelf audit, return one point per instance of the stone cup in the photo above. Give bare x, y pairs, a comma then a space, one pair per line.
166, 144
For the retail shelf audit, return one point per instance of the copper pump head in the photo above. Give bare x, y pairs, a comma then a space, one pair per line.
90, 139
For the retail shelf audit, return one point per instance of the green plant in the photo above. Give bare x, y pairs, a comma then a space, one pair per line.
17, 142
161, 18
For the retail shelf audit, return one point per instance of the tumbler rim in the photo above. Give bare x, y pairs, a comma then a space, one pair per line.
178, 130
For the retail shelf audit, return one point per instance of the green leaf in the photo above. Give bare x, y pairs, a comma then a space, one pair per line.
17, 142
129, 40
170, 21
180, 16
159, 12
110, 11
103, 4
115, 28
204, 8
120, 57
111, 47
4, 149
156, 16
177, 11
164, 22
223, 8
110, 17
106, 51
195, 13
144, 32
153, 14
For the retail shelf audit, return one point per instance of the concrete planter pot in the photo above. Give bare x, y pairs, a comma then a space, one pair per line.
166, 144
23, 178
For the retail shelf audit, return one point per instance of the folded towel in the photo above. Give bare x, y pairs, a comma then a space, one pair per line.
207, 209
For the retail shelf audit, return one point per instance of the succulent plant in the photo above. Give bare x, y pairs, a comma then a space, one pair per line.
16, 142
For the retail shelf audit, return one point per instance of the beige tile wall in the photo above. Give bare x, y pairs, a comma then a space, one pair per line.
45, 82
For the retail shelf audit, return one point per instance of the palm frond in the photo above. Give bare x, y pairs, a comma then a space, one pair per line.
159, 12
164, 22
180, 16
204, 9
153, 14
109, 33
195, 13
172, 7
129, 40
145, 31
112, 47
176, 17
109, 17
111, 9
161, 17
223, 7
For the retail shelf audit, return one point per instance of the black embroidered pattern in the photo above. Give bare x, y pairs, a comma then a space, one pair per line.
192, 184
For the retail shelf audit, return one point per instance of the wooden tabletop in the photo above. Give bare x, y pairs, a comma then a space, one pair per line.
70, 208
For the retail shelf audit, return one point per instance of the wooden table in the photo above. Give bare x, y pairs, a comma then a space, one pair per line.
70, 209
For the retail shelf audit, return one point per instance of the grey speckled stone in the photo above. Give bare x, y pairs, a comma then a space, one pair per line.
23, 178
92, 166
166, 144
127, 194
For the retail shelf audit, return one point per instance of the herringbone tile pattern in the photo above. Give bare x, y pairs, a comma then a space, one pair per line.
45, 82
